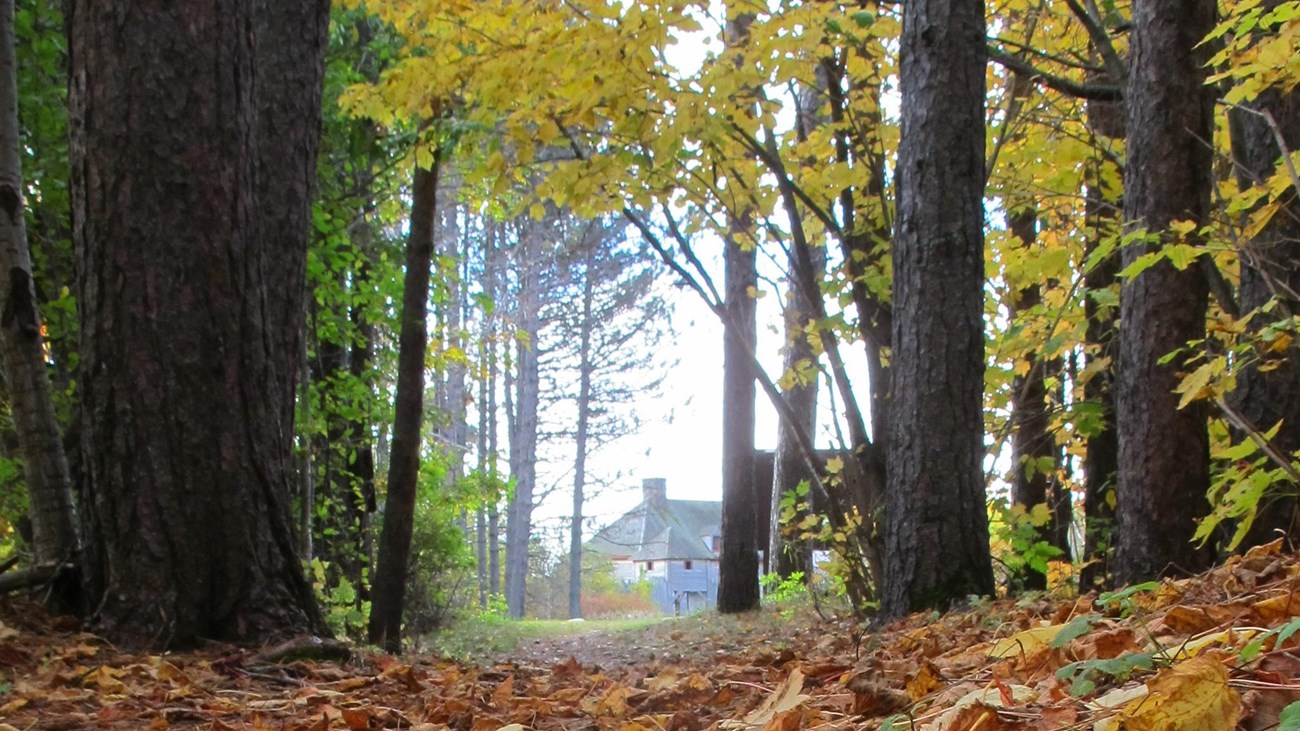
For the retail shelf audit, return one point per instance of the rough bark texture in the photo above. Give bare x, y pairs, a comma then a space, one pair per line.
388, 591
1270, 268
190, 318
45, 466
936, 540
1163, 451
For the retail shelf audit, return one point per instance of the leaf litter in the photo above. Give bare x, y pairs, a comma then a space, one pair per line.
1217, 651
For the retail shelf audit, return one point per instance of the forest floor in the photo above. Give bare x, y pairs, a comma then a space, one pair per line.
1216, 651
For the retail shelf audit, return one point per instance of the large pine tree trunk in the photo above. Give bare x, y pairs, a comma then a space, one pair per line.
1163, 451
936, 540
45, 466
389, 586
1270, 268
190, 295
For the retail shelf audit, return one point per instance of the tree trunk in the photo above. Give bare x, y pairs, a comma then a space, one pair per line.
937, 540
523, 433
1033, 448
1270, 268
584, 419
190, 294
1101, 461
738, 560
1163, 451
45, 466
388, 592
787, 555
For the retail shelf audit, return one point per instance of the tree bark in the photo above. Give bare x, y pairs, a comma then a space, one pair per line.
738, 589
1270, 268
189, 288
937, 540
45, 466
1163, 451
388, 592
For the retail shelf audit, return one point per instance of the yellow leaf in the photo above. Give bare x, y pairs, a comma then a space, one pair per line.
1190, 696
1193, 386
1026, 642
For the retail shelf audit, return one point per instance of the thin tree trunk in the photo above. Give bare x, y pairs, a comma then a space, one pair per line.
1163, 450
360, 467
45, 466
1101, 461
738, 562
789, 555
523, 442
937, 540
1033, 449
389, 586
584, 419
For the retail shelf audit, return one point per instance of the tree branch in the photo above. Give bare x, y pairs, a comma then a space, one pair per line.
1094, 92
1101, 40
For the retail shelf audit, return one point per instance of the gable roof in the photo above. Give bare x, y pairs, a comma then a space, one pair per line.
662, 529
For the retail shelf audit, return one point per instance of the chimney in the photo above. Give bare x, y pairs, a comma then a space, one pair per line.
654, 490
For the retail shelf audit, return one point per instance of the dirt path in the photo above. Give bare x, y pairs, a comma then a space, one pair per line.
705, 639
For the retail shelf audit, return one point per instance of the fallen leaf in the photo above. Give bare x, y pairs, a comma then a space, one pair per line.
926, 679
1025, 643
1190, 696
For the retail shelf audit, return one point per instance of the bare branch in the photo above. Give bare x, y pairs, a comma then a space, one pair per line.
1095, 92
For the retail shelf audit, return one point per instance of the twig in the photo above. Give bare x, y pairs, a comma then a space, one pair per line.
1257, 437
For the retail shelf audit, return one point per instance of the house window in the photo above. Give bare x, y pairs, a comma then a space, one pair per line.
649, 565
688, 565
717, 544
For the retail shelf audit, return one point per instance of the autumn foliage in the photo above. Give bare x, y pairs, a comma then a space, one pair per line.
1216, 651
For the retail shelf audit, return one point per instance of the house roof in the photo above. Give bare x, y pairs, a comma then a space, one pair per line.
662, 529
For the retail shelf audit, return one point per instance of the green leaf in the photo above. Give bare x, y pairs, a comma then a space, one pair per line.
1078, 627
1289, 720
1141, 264
863, 19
